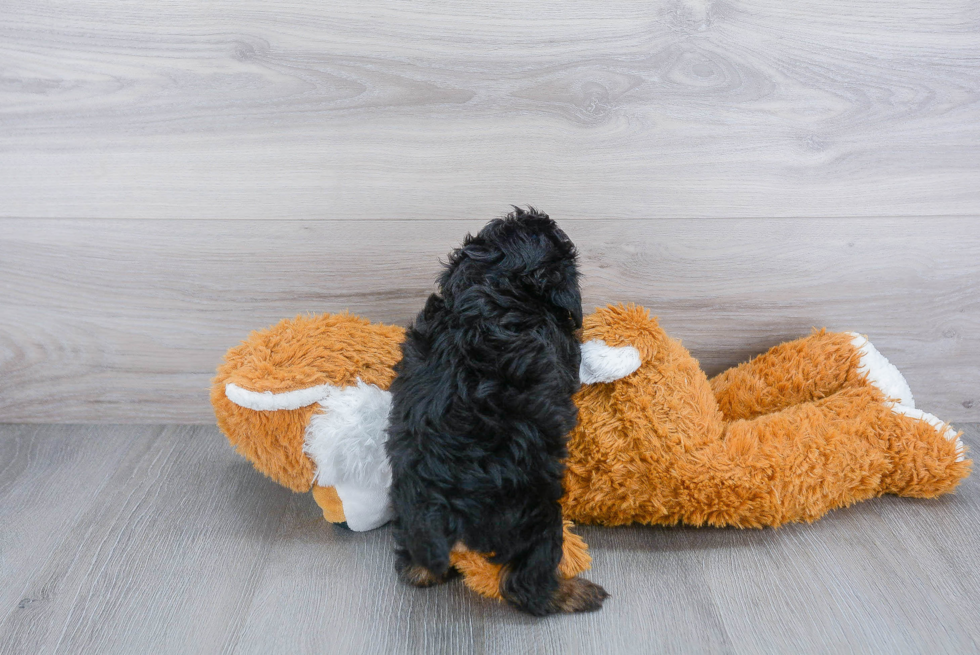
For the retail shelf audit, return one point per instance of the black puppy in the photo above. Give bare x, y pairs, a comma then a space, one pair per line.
481, 407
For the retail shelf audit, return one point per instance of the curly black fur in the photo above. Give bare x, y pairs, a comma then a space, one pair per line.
481, 407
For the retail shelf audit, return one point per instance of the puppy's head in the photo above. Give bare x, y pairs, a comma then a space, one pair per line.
523, 255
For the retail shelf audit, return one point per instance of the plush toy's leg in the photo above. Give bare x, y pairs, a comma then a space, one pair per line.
805, 370
799, 463
928, 457
329, 501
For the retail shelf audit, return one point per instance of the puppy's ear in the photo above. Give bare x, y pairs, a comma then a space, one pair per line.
566, 297
602, 363
559, 288
467, 266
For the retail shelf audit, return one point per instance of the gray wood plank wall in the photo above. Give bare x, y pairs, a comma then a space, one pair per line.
311, 109
746, 169
126, 320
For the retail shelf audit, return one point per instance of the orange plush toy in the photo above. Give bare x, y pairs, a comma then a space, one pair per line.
812, 425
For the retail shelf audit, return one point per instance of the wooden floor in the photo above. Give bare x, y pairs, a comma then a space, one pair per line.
130, 539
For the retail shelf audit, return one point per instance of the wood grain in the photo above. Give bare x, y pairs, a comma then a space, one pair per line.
126, 321
382, 109
47, 478
175, 544
162, 558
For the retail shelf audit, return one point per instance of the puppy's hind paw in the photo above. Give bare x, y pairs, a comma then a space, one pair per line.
419, 576
579, 595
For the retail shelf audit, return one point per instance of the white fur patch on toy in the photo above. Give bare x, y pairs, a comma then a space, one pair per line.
347, 444
266, 401
602, 363
941, 427
882, 373
365, 508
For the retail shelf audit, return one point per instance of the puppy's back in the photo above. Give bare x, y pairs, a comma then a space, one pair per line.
482, 403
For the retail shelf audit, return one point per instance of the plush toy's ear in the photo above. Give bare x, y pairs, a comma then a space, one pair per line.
602, 363
266, 401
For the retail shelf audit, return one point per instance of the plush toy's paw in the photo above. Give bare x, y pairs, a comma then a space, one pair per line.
945, 429
346, 442
881, 373
330, 503
579, 595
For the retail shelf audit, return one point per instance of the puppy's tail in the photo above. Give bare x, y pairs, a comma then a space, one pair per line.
429, 546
